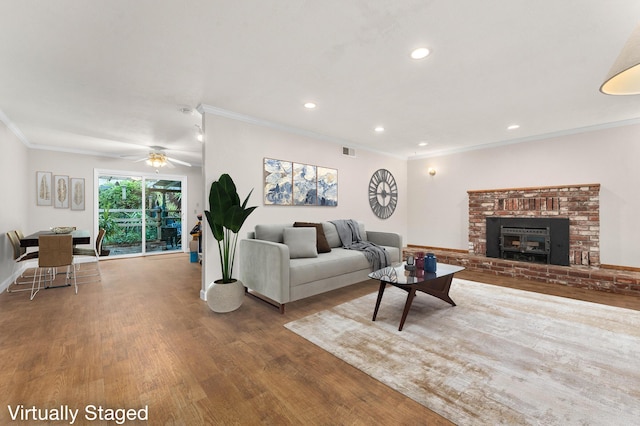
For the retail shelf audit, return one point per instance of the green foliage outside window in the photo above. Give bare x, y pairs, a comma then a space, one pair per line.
123, 227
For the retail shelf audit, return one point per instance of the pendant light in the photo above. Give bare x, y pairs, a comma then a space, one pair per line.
624, 77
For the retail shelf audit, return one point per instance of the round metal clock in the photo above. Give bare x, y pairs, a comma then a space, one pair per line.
383, 193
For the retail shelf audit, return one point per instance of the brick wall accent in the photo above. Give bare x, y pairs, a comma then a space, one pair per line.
579, 203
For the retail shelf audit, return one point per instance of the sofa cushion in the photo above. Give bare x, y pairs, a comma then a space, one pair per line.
339, 261
321, 240
331, 233
301, 242
273, 233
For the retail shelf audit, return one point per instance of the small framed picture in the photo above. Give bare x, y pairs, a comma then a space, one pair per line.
43, 188
61, 192
77, 194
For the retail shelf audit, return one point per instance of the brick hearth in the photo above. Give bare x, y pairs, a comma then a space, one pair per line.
593, 278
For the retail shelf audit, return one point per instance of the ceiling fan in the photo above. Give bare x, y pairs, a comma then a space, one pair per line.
158, 158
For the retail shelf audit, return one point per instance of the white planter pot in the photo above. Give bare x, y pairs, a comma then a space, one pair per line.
225, 297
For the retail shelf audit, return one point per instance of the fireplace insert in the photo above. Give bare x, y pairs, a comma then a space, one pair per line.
528, 239
528, 244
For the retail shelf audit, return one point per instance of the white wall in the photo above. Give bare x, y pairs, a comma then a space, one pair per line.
13, 213
82, 166
438, 213
238, 148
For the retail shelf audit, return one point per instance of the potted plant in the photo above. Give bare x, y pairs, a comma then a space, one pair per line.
225, 217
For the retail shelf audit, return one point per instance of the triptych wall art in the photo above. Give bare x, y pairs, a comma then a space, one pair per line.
287, 183
59, 191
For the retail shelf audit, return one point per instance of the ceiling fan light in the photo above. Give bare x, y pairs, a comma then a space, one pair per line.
156, 160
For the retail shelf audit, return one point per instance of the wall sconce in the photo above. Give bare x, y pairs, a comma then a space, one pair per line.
432, 171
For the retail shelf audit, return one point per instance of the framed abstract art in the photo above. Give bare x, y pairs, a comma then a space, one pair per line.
297, 184
278, 182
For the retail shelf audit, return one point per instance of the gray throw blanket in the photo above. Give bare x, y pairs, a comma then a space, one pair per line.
349, 234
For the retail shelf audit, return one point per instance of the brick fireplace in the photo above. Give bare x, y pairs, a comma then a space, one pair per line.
579, 203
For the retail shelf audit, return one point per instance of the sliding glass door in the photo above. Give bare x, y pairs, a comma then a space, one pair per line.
163, 214
140, 213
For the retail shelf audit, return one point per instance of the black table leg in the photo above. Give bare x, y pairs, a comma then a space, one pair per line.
383, 285
410, 295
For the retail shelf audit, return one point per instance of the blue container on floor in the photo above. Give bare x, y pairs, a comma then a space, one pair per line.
194, 256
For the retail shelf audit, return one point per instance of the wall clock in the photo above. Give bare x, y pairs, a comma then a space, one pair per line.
383, 193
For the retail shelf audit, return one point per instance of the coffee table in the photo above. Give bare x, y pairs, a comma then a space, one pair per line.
436, 284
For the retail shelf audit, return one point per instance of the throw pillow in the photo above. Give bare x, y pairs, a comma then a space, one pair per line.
331, 233
301, 242
321, 241
269, 232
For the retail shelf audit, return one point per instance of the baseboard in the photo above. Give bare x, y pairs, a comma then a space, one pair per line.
437, 248
4, 285
620, 268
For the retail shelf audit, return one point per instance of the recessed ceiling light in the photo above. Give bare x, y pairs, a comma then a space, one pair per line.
423, 143
513, 127
310, 105
379, 129
420, 53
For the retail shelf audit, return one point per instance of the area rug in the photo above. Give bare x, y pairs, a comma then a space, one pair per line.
502, 356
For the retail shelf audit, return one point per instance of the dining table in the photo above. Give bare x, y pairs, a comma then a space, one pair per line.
80, 236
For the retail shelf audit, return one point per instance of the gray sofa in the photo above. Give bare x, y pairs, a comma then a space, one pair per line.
282, 263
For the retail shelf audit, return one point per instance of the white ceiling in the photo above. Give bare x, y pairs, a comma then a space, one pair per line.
109, 76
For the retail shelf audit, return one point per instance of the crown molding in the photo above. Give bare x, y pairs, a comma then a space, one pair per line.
220, 112
539, 137
14, 129
73, 151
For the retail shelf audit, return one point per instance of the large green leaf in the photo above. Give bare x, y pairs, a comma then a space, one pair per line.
217, 230
229, 188
236, 217
220, 201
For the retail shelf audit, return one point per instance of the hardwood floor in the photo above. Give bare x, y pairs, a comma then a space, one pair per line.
143, 337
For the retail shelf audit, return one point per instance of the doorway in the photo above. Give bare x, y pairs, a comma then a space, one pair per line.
141, 214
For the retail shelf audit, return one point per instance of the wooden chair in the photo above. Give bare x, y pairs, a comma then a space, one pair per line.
21, 258
56, 251
85, 255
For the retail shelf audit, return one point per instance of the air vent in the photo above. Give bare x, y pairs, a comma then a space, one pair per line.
348, 151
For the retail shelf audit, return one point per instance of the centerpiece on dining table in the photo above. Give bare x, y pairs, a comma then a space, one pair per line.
62, 229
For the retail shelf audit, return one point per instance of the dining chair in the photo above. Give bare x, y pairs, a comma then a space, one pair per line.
86, 255
55, 251
22, 259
